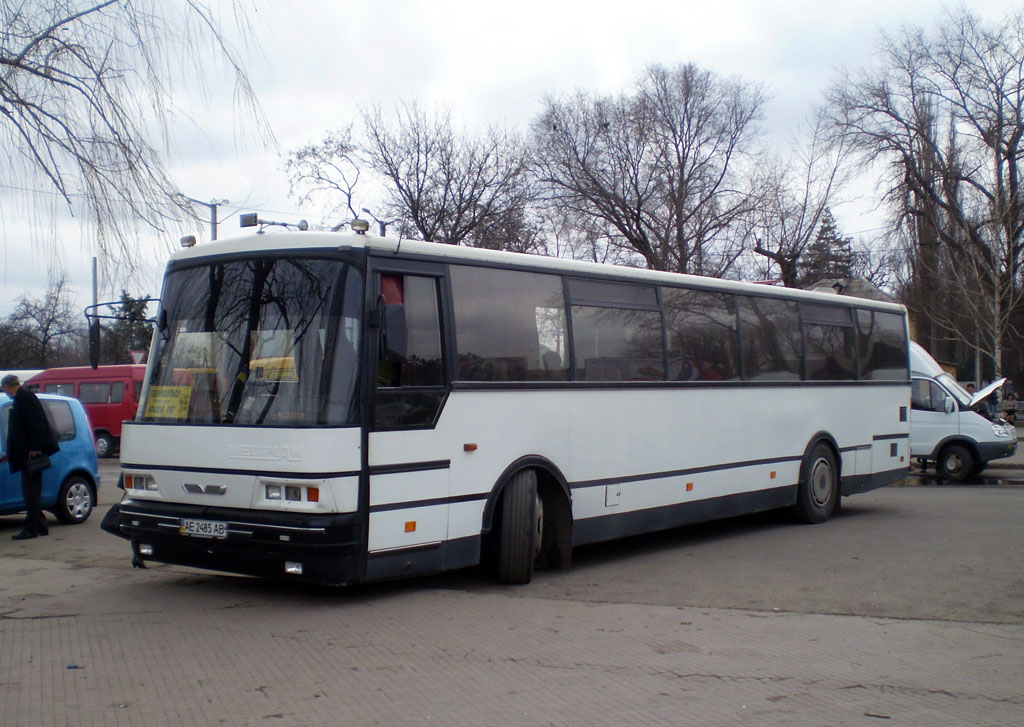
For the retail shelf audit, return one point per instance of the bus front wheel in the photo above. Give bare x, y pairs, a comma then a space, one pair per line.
519, 538
819, 486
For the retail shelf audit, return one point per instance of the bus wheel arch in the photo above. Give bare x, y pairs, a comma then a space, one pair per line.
819, 490
553, 511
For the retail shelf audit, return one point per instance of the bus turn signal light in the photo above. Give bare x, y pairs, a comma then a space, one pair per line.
410, 527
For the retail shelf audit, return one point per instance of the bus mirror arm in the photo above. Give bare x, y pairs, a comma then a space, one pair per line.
393, 333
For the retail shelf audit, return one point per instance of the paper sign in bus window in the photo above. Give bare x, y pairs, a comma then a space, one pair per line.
168, 402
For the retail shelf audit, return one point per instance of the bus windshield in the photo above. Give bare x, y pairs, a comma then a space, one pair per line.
258, 342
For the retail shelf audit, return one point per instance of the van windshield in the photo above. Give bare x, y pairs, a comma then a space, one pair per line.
267, 341
954, 388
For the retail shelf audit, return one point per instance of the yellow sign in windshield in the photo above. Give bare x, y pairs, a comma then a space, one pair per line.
168, 402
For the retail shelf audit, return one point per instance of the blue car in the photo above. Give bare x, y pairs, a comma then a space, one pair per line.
71, 483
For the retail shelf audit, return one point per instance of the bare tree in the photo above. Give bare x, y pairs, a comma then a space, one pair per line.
943, 112
327, 172
568, 235
659, 166
795, 194
447, 186
48, 330
82, 84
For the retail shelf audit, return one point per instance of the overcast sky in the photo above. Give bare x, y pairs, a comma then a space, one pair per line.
314, 64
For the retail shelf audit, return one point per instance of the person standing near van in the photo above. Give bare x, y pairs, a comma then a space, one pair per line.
29, 435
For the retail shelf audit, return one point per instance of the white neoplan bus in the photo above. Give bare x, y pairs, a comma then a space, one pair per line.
342, 408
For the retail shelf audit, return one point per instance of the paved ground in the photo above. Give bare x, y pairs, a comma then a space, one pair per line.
906, 609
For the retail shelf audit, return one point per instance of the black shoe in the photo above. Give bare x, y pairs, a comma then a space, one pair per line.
25, 535
43, 531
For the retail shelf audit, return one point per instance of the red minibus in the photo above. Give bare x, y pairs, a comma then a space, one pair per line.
110, 395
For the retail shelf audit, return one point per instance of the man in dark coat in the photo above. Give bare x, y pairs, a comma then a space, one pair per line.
29, 434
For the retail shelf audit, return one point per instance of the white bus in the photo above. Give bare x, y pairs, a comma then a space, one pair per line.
342, 408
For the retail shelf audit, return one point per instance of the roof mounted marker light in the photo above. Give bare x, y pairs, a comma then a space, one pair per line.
360, 226
188, 241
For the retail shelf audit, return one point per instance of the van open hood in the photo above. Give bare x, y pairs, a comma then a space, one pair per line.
986, 391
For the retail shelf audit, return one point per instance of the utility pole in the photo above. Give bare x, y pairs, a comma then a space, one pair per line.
212, 206
381, 224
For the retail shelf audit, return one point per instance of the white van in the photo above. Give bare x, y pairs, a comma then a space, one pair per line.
948, 427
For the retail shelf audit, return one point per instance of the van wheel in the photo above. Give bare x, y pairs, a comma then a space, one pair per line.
819, 487
518, 539
75, 500
955, 463
104, 445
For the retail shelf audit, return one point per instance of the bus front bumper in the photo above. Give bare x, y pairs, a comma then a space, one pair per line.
319, 548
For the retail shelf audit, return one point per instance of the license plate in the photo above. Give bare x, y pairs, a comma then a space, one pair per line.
204, 528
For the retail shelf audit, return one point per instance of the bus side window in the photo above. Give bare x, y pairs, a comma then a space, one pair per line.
410, 390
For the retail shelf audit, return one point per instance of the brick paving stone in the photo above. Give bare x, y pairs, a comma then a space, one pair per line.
447, 657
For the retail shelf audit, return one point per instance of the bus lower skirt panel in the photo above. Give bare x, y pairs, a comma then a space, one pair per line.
620, 525
424, 560
865, 483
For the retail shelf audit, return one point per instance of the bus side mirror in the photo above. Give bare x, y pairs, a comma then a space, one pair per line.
393, 333
949, 405
94, 342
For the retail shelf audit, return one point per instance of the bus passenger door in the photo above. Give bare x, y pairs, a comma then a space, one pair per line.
408, 464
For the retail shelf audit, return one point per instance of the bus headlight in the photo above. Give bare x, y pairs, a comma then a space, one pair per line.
1000, 431
273, 492
139, 482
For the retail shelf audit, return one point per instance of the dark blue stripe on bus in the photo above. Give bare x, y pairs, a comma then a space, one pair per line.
402, 467
251, 473
462, 385
680, 473
428, 503
882, 437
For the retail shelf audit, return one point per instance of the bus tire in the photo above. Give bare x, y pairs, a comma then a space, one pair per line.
517, 541
819, 486
955, 463
104, 445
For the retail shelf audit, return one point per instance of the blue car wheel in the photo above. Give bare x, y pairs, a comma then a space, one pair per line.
75, 501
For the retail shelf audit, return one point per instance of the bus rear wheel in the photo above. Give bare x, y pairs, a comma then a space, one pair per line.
520, 536
819, 486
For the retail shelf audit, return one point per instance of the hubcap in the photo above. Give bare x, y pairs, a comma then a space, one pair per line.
954, 465
79, 500
822, 481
